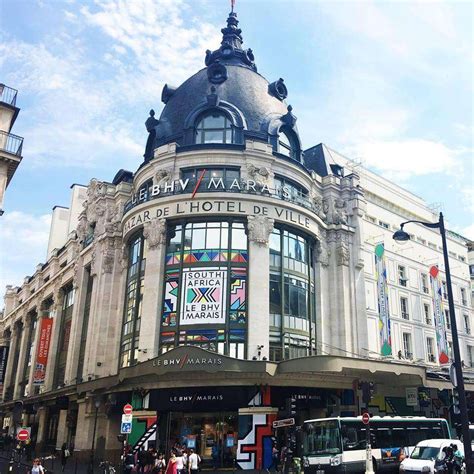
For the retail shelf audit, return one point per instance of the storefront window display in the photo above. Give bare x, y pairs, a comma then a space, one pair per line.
292, 295
205, 300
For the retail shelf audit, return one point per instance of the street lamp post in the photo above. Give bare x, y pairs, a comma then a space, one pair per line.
91, 462
401, 236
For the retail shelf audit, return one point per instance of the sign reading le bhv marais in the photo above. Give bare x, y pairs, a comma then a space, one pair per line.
203, 296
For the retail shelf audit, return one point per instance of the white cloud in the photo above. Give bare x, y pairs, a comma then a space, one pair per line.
468, 232
23, 244
405, 158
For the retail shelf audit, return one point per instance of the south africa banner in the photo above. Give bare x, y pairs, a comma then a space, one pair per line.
382, 298
203, 296
439, 315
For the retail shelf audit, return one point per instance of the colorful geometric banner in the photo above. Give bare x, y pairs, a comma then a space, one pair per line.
204, 296
43, 351
382, 298
441, 339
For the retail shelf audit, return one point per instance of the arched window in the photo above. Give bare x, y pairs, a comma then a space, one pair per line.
214, 127
287, 144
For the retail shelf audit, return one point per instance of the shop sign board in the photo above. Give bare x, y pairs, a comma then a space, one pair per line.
283, 423
43, 351
204, 294
411, 394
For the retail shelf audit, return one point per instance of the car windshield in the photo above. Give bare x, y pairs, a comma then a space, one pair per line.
425, 452
321, 438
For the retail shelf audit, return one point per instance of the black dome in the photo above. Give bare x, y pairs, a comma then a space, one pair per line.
230, 83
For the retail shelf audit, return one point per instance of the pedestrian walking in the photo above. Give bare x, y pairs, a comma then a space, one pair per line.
193, 462
65, 453
172, 468
160, 465
37, 468
129, 463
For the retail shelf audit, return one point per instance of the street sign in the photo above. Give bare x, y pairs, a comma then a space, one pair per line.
125, 428
365, 418
128, 409
283, 423
127, 418
23, 435
411, 396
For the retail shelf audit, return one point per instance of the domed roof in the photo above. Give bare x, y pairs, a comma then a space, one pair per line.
230, 83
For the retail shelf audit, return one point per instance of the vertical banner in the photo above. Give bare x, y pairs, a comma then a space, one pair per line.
382, 298
439, 315
43, 351
3, 364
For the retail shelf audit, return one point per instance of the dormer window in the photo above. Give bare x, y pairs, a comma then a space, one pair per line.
287, 144
214, 127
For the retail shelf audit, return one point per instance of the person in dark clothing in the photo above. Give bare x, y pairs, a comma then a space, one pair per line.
129, 463
64, 456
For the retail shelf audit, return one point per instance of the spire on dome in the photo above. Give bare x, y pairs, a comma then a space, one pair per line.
230, 51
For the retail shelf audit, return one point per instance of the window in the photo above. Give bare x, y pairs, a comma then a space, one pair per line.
212, 179
206, 277
384, 225
402, 275
404, 308
467, 324
450, 350
133, 302
292, 319
287, 144
430, 355
447, 319
407, 347
214, 127
470, 355
431, 245
445, 290
424, 283
463, 297
371, 219
290, 191
427, 313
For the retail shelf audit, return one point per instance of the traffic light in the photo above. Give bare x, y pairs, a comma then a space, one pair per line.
371, 390
291, 407
456, 409
368, 391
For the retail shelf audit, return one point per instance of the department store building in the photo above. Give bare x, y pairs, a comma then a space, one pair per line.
232, 271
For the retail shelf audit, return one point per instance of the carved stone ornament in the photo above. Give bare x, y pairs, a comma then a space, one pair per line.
94, 262
322, 253
154, 232
336, 211
161, 176
108, 259
113, 219
260, 228
260, 175
343, 256
318, 206
124, 258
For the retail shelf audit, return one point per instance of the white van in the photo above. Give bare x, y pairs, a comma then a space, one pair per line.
427, 454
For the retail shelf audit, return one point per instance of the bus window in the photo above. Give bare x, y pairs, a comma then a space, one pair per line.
321, 438
353, 438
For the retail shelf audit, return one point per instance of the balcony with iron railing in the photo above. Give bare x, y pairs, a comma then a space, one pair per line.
10, 143
8, 95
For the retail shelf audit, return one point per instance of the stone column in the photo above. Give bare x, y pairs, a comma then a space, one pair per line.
10, 371
25, 335
41, 436
154, 233
62, 429
258, 292
34, 342
85, 428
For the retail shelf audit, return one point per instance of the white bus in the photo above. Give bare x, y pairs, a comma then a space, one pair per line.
338, 444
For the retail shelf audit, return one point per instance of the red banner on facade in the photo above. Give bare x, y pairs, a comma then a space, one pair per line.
43, 351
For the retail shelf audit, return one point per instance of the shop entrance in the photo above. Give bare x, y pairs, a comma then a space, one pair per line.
212, 435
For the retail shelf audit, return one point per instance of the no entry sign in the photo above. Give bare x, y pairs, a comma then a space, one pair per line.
23, 435
127, 409
365, 418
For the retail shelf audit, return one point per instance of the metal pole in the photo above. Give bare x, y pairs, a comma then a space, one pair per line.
457, 355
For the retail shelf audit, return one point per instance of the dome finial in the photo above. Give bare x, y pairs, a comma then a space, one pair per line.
231, 51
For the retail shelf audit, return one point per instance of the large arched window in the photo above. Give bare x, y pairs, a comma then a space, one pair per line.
214, 127
133, 301
288, 144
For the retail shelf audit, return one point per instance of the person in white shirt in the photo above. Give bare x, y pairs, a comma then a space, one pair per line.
194, 461
180, 464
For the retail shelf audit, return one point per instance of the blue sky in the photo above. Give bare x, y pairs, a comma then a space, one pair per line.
386, 83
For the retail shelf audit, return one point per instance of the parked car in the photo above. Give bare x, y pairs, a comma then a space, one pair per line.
430, 456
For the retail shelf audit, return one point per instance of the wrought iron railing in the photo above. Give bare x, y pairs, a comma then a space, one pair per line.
8, 95
11, 143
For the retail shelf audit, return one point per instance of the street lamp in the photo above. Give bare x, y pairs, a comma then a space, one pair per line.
401, 236
91, 462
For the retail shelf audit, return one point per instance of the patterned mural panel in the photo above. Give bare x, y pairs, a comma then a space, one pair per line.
205, 255
238, 295
170, 300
